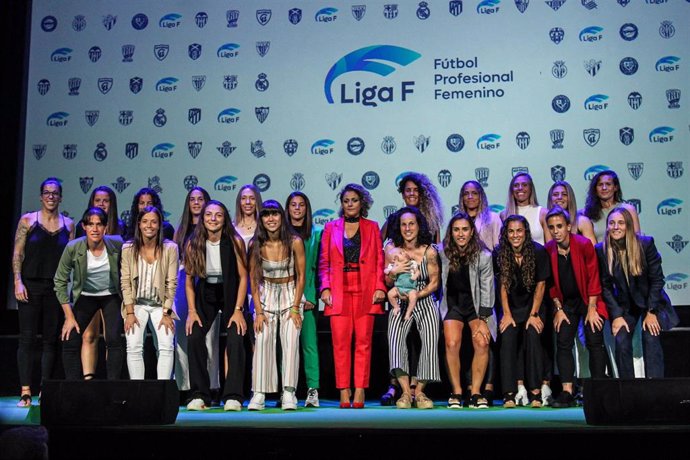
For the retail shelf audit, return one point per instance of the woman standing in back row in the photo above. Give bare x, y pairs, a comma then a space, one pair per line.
40, 239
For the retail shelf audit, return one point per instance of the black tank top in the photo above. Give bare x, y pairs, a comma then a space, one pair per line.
43, 250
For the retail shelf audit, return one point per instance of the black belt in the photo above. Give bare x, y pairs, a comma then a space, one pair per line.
351, 268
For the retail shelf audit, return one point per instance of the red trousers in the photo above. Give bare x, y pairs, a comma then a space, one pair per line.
354, 318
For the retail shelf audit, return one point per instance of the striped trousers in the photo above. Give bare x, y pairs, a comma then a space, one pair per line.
425, 316
276, 300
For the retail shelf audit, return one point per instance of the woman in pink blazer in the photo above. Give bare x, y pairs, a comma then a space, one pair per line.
352, 288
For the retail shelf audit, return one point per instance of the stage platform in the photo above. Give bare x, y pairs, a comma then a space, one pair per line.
374, 432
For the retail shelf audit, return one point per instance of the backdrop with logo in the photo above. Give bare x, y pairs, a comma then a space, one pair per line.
313, 95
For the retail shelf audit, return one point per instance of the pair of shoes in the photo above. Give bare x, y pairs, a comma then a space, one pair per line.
535, 400
546, 395
509, 401
478, 401
288, 400
455, 401
197, 404
258, 401
388, 398
24, 400
232, 405
521, 397
565, 399
489, 396
422, 401
312, 398
404, 402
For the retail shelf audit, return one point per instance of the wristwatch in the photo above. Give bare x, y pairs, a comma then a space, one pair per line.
535, 314
168, 312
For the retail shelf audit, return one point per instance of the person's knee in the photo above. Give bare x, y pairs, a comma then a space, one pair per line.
480, 345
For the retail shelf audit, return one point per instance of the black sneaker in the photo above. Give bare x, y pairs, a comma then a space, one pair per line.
489, 396
478, 402
565, 399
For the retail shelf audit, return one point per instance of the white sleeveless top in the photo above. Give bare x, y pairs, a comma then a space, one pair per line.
531, 213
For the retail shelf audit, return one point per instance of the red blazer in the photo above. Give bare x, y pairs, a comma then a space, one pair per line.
332, 261
585, 268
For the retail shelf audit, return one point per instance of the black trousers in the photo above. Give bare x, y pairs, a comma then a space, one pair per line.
513, 339
198, 354
84, 310
564, 345
42, 315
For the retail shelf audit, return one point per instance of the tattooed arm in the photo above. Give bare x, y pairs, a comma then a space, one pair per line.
18, 259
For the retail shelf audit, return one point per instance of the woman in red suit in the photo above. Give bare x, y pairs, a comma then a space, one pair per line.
352, 288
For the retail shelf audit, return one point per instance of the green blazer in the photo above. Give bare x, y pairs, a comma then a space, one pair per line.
73, 262
311, 275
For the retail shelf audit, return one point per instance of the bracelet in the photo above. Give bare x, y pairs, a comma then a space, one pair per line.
559, 309
294, 310
240, 308
130, 312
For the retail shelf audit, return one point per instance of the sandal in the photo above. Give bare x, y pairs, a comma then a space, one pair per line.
404, 402
509, 401
535, 400
423, 402
478, 401
24, 400
455, 401
90, 376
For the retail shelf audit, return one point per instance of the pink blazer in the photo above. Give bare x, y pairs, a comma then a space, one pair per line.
332, 261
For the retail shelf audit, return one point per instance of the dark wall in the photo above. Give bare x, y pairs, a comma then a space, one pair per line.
13, 34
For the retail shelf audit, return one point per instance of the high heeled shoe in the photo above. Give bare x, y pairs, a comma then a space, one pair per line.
345, 405
358, 405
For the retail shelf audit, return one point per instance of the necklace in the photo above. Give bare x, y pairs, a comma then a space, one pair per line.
351, 220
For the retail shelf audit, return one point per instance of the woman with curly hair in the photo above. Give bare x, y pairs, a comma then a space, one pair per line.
522, 201
562, 194
215, 261
468, 299
143, 198
417, 190
522, 266
276, 271
410, 232
352, 287
604, 194
474, 203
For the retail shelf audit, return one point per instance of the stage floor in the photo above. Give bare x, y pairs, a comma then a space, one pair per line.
374, 432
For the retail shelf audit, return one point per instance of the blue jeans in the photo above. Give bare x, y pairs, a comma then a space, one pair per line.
651, 349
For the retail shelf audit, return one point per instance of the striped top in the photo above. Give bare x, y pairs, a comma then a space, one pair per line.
146, 290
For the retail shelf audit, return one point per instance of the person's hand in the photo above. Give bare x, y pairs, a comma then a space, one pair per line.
259, 320
192, 317
558, 319
617, 324
69, 324
536, 323
651, 324
594, 320
482, 333
130, 321
308, 306
400, 266
240, 323
20, 292
379, 296
506, 322
297, 319
326, 297
167, 323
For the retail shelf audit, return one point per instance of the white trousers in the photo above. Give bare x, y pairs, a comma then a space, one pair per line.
165, 343
276, 300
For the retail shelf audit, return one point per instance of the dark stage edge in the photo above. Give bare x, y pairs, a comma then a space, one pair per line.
379, 432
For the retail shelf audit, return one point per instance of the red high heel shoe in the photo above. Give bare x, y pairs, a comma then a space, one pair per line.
345, 405
358, 405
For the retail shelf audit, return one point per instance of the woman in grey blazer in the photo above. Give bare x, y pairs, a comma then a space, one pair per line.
467, 277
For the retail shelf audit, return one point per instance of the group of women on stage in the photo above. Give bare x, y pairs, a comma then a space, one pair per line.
520, 284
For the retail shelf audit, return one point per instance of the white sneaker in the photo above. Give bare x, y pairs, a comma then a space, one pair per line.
546, 395
258, 401
196, 404
312, 398
521, 397
288, 400
233, 405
